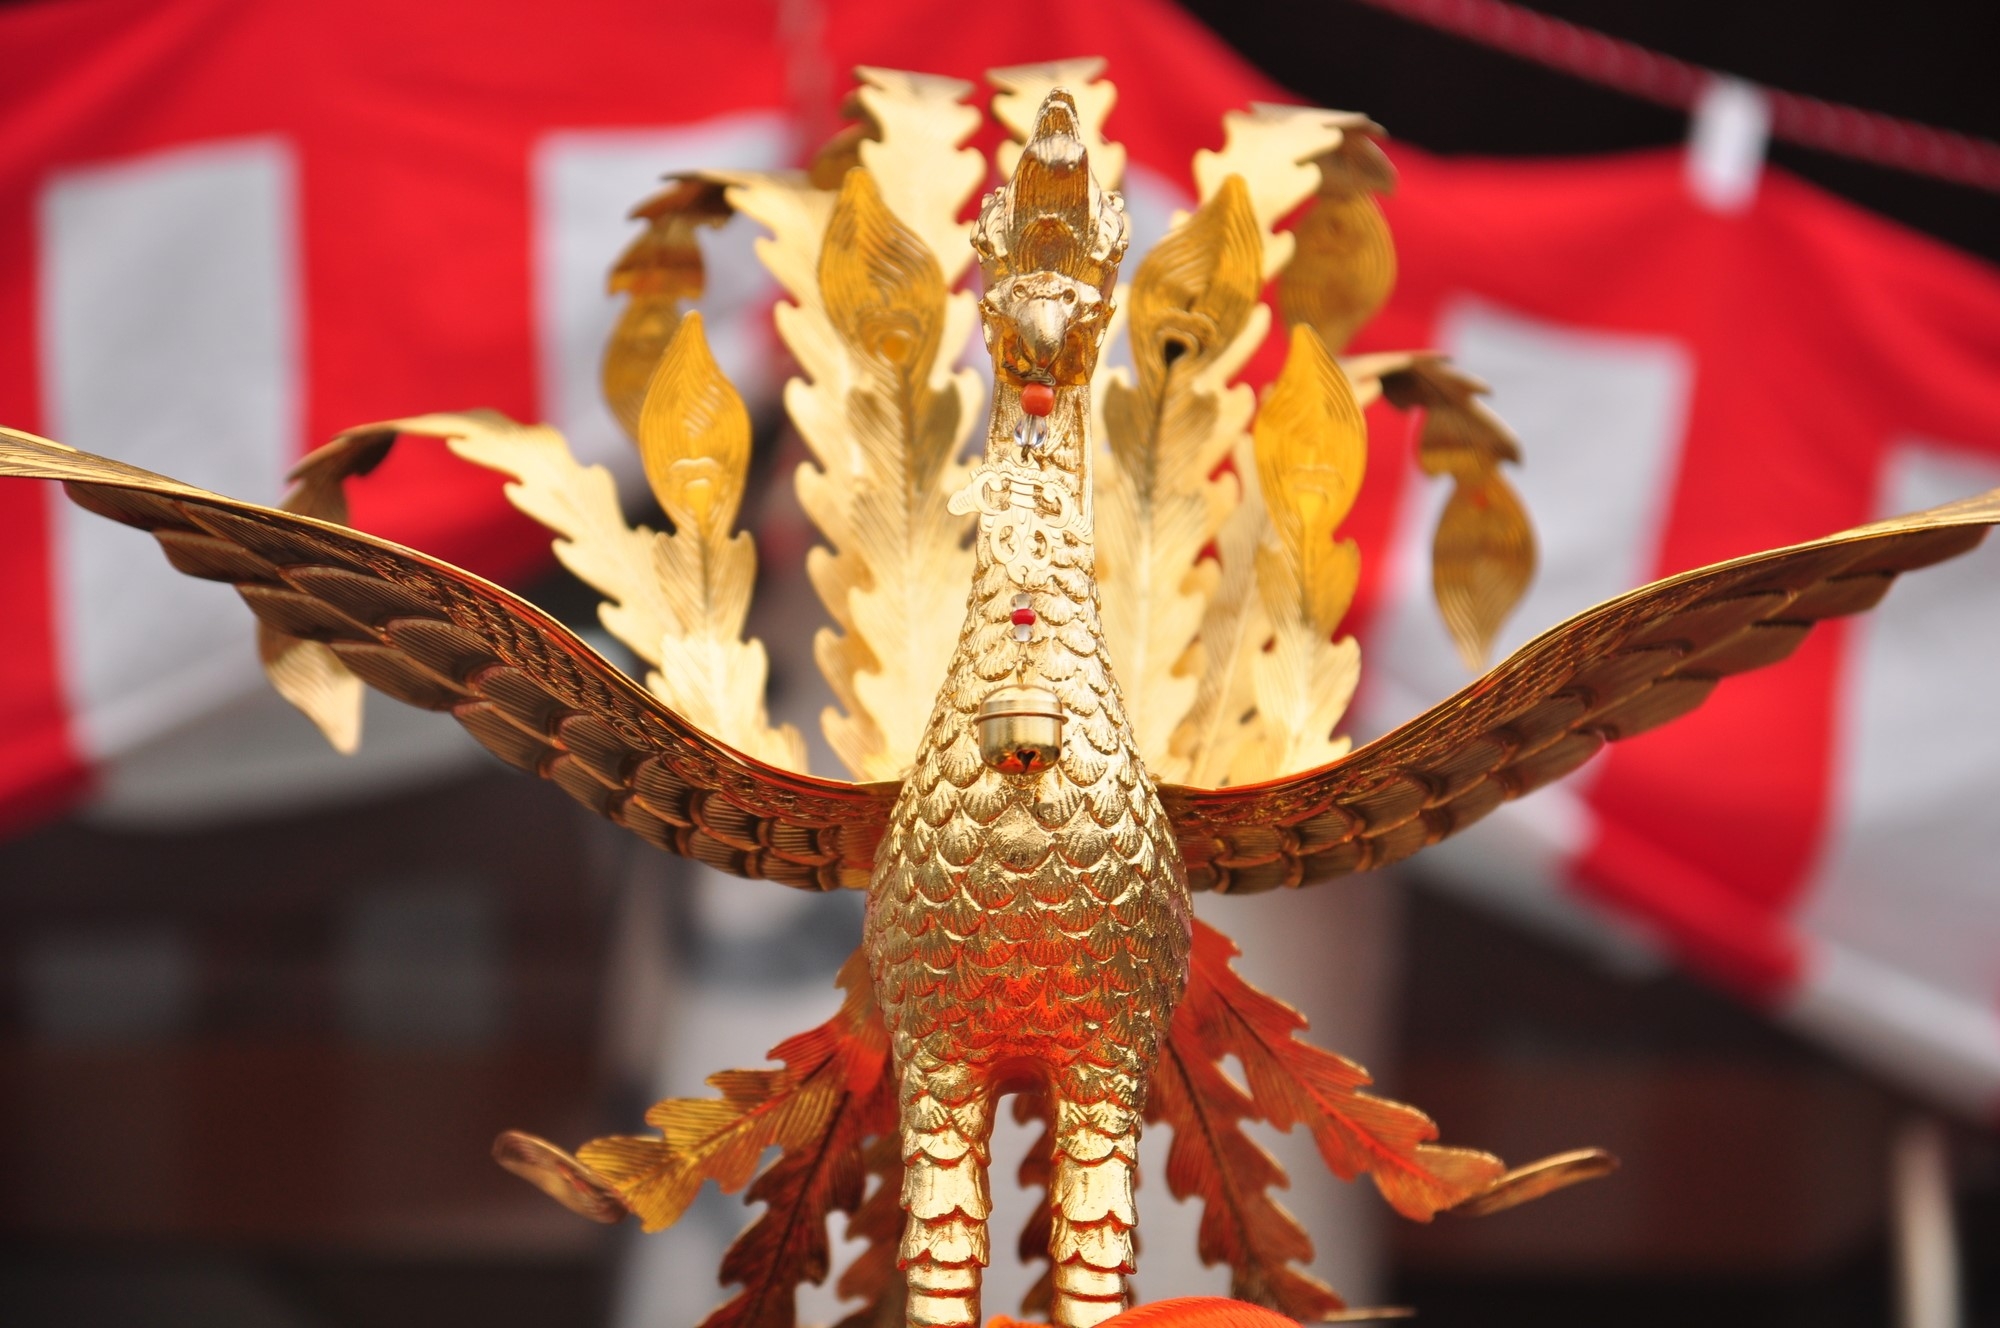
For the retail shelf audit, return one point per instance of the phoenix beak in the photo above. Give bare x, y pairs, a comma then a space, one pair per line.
1044, 327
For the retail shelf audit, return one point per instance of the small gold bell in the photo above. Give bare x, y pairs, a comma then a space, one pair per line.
1020, 730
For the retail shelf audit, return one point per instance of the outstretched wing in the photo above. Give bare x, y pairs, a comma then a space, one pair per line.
1626, 666
525, 686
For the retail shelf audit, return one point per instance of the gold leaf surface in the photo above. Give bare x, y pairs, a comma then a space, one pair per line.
1292, 1082
1021, 91
1482, 561
918, 157
1213, 1160
1275, 150
873, 1278
1287, 1082
694, 436
1483, 552
1312, 448
311, 677
1201, 701
659, 271
1344, 265
877, 401
832, 1095
1234, 629
723, 1138
885, 422
1194, 316
677, 601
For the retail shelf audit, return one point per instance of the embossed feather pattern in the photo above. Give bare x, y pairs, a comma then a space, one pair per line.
1028, 926
439, 638
876, 328
1193, 317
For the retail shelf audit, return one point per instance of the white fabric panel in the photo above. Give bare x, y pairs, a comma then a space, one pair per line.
585, 183
1600, 417
169, 327
1905, 901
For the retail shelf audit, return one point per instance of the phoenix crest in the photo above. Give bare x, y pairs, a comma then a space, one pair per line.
1137, 698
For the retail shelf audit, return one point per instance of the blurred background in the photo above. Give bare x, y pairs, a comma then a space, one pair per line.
263, 1008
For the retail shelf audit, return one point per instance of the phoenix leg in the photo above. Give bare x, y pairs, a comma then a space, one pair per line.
1091, 1245
947, 1125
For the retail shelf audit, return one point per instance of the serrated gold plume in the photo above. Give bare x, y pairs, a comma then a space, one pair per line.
1345, 264
876, 329
676, 600
1209, 697
1483, 551
659, 272
1193, 315
1312, 446
1020, 91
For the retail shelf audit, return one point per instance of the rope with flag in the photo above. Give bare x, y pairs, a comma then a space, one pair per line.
1848, 131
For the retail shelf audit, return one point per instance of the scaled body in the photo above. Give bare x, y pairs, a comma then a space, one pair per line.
1030, 930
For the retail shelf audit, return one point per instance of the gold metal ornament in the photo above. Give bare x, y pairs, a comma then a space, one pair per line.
1020, 729
1138, 698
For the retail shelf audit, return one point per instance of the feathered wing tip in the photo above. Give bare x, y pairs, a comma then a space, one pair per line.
440, 638
1614, 671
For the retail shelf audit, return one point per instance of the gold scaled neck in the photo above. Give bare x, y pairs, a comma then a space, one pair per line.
1050, 241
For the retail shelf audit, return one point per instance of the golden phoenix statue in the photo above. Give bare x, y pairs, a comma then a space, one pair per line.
1029, 838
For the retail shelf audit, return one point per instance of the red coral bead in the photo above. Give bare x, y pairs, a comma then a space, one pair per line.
1038, 398
1023, 617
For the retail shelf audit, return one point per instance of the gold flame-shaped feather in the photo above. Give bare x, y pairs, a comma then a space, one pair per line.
658, 272
876, 329
1269, 153
1194, 316
1483, 552
1345, 265
1312, 446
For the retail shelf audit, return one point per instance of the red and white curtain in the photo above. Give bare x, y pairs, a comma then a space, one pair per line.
229, 229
